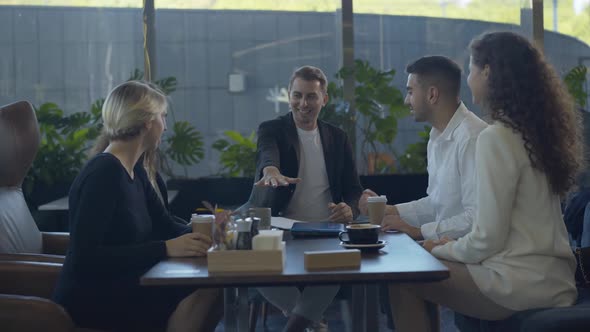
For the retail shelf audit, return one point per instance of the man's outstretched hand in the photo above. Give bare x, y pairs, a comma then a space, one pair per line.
272, 177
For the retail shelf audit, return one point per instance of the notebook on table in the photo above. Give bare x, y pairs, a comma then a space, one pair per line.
316, 229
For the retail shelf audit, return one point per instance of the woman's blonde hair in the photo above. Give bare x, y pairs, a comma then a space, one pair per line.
124, 113
129, 107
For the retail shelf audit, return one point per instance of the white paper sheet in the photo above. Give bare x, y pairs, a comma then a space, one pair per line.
282, 223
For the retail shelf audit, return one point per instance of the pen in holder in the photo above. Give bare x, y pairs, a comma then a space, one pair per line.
223, 230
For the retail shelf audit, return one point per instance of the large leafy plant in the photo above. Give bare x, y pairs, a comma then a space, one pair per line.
237, 154
184, 143
379, 105
65, 140
575, 80
413, 160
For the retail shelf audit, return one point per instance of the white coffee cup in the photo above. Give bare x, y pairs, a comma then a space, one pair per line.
376, 206
203, 224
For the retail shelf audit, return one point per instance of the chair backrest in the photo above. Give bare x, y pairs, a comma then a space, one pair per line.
575, 216
19, 142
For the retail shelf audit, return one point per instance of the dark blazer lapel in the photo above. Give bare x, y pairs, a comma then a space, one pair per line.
292, 136
327, 146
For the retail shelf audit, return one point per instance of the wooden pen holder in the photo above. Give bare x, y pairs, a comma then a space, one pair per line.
245, 261
332, 259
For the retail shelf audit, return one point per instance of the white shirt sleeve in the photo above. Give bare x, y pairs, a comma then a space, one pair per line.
417, 212
458, 225
497, 175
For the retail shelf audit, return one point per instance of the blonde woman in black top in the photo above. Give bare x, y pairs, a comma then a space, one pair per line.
119, 229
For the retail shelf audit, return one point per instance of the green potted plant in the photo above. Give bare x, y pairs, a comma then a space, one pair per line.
575, 80
237, 154
62, 152
66, 139
413, 160
379, 106
232, 185
183, 144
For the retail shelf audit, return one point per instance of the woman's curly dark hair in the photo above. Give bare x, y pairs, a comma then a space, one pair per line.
526, 94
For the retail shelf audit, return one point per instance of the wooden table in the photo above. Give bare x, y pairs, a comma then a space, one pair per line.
62, 204
402, 260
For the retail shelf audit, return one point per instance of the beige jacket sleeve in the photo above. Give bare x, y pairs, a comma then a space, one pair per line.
497, 178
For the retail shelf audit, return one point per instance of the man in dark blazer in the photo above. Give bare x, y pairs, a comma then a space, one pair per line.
305, 170
292, 147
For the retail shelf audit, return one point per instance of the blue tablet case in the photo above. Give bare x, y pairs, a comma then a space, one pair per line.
316, 229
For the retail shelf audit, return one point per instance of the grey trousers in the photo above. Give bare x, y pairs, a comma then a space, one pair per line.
309, 303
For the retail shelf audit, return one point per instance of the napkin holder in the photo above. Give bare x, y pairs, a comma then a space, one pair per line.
268, 256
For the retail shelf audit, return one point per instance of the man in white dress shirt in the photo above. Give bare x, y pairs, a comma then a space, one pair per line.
433, 88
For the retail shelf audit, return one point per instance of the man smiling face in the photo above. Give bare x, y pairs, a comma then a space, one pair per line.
306, 99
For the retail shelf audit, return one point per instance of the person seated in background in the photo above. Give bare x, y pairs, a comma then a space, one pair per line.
119, 230
305, 170
517, 255
433, 94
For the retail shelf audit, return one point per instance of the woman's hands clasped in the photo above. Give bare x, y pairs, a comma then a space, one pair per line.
430, 244
188, 245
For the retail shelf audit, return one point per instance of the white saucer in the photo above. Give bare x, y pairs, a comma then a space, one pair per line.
380, 244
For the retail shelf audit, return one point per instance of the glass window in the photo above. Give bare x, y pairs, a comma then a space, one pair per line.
75, 3
70, 56
389, 34
233, 61
63, 57
568, 17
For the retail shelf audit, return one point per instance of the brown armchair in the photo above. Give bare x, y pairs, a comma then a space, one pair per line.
31, 261
54, 244
25, 289
32, 314
29, 278
19, 143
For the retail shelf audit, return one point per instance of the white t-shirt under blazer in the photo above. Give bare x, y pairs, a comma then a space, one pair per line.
312, 195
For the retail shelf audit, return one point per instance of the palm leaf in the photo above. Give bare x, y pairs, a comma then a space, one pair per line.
238, 157
185, 145
575, 80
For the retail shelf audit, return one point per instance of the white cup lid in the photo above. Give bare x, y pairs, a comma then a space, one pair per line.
202, 217
377, 199
243, 225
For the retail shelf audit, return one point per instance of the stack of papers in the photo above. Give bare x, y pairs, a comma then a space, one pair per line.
282, 223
